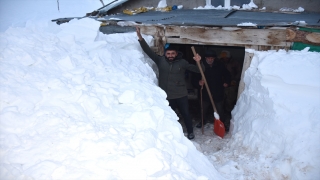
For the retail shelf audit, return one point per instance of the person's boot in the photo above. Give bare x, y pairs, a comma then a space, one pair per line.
190, 136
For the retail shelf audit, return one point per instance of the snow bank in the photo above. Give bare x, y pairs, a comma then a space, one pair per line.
276, 119
77, 104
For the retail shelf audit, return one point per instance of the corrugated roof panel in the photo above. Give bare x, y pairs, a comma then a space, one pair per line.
211, 17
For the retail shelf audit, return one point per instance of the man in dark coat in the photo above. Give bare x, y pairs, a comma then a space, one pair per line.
172, 79
218, 78
230, 93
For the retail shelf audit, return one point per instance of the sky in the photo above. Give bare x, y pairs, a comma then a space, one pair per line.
78, 104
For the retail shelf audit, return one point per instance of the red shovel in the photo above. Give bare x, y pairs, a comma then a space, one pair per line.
218, 127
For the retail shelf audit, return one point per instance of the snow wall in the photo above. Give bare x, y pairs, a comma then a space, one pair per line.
77, 104
277, 117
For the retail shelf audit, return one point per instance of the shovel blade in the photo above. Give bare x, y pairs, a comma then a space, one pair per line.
219, 128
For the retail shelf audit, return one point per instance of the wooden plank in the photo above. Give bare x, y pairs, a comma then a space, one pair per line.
268, 37
159, 40
172, 31
246, 64
295, 35
188, 41
313, 37
290, 34
148, 30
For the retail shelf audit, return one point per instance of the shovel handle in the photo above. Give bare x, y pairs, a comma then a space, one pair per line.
205, 81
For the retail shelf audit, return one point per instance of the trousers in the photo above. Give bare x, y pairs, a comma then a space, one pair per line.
183, 106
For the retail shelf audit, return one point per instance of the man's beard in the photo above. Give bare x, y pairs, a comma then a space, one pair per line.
171, 58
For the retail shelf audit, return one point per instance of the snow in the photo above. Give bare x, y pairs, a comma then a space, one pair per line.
78, 104
180, 6
227, 6
247, 24
300, 23
285, 9
162, 4
281, 115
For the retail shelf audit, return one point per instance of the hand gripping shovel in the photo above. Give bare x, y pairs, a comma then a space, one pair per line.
218, 128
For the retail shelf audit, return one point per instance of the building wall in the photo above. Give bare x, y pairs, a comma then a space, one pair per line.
271, 5
275, 5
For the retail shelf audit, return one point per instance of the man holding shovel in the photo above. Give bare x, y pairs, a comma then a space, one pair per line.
172, 78
218, 78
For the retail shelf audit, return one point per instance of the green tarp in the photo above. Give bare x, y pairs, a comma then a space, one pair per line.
300, 46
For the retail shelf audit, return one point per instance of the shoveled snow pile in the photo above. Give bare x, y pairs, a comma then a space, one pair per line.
79, 104
276, 120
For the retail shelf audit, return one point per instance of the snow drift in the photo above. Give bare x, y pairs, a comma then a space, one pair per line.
277, 116
79, 104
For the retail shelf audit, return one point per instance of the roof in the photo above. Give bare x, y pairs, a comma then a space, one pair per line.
212, 17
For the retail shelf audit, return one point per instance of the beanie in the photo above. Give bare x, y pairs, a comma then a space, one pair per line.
171, 48
210, 53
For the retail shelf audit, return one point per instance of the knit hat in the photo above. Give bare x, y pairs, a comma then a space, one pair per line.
210, 53
170, 47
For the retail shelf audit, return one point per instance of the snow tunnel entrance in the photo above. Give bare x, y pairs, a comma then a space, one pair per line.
234, 65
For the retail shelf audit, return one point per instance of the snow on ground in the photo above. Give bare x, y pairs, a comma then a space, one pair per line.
79, 104
276, 120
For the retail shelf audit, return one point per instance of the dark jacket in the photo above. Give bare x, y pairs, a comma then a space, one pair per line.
171, 73
216, 76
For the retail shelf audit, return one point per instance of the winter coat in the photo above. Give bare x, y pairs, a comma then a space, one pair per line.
171, 73
216, 76
234, 68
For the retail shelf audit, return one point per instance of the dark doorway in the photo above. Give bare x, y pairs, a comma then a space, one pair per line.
236, 57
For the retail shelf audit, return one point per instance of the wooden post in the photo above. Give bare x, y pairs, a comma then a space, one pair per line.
159, 40
246, 64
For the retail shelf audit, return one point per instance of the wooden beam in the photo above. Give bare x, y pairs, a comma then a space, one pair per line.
295, 35
148, 30
313, 38
246, 64
276, 37
188, 41
159, 40
172, 31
